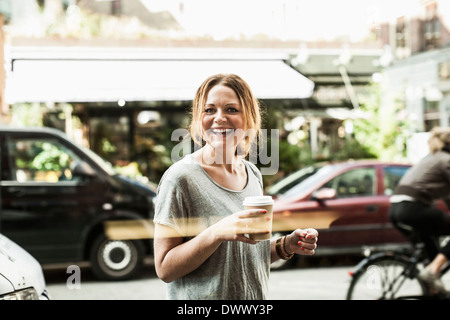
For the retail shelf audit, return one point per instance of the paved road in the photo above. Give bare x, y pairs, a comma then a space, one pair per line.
300, 283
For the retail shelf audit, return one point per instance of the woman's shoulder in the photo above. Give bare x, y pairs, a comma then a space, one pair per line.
254, 169
252, 166
181, 168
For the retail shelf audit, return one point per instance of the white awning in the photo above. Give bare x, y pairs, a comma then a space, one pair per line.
52, 80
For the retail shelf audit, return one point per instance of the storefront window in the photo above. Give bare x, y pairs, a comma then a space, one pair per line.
109, 138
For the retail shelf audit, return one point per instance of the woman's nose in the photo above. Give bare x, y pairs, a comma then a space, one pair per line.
220, 116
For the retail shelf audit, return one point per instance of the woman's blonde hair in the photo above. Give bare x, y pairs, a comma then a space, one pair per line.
250, 107
439, 139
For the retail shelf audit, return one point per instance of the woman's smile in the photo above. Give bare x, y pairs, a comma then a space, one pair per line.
222, 118
222, 132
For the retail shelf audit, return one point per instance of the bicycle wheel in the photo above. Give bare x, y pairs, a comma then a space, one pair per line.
386, 277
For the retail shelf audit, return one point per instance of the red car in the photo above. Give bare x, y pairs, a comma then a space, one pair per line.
346, 202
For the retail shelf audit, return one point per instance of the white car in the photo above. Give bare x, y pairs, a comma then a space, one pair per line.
21, 276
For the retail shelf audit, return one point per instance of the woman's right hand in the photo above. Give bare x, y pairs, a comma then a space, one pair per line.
235, 226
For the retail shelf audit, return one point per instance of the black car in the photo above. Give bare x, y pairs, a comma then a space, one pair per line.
56, 197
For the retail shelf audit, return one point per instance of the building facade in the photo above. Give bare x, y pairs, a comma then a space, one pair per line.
416, 75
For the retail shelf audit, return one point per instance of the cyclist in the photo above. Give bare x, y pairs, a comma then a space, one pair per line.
412, 204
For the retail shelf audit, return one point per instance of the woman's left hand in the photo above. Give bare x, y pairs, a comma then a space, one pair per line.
302, 241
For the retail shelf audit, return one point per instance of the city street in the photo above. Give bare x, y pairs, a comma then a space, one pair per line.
298, 283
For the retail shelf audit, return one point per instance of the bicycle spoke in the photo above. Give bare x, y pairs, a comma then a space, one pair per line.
399, 281
391, 277
385, 281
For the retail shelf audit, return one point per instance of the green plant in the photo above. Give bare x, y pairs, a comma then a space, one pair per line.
290, 158
51, 159
383, 133
352, 149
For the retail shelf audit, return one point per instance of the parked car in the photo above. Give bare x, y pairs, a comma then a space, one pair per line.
347, 202
56, 197
21, 276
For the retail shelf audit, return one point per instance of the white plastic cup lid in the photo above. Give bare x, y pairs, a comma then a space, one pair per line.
258, 201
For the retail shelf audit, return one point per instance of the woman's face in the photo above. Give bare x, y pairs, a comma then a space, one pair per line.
222, 115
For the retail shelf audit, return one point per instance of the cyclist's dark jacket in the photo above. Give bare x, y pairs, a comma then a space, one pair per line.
428, 180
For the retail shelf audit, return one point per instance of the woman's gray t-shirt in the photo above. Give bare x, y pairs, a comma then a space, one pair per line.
236, 270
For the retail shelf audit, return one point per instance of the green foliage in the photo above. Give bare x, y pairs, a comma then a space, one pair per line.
50, 159
383, 133
153, 153
352, 149
291, 158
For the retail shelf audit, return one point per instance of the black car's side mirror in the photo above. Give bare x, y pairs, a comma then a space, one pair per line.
324, 194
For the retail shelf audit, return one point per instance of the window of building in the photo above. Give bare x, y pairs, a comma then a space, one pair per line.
400, 33
432, 26
431, 115
402, 47
116, 9
444, 71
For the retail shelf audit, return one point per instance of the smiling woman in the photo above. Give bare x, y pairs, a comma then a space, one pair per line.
221, 260
221, 117
223, 99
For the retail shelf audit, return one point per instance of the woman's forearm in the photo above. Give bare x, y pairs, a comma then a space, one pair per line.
175, 259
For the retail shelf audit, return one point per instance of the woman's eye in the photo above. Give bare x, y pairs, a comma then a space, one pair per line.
209, 110
232, 110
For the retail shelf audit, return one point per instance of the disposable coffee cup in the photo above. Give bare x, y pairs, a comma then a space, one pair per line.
261, 202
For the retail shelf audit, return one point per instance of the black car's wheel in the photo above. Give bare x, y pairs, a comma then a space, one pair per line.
116, 259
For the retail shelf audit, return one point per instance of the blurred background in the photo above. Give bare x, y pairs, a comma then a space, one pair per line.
340, 79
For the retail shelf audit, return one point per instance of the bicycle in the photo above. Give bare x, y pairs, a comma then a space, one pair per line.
393, 275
